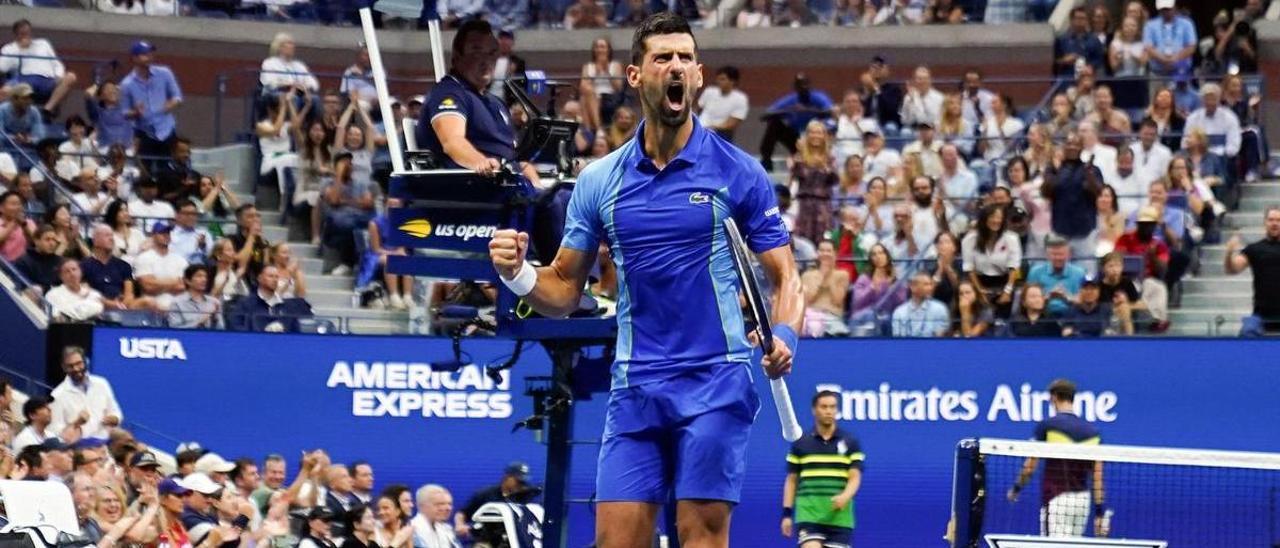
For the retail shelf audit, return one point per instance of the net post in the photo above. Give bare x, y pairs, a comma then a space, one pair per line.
967, 494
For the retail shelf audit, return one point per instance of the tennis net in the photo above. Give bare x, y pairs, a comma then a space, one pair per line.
1181, 498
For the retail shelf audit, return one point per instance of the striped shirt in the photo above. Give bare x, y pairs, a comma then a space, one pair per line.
823, 466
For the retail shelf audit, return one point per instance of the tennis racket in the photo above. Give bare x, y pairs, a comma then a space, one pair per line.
759, 315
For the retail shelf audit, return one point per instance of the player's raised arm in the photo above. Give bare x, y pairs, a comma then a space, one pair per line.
780, 265
551, 290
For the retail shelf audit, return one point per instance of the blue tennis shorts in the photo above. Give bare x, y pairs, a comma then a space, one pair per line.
687, 433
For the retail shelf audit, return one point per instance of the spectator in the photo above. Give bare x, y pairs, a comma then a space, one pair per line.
433, 526
251, 247
67, 229
901, 241
32, 61
89, 197
282, 73
1234, 48
111, 125
1263, 258
757, 14
159, 271
1160, 264
19, 118
1169, 122
393, 530
1062, 117
877, 293
74, 300
958, 183
359, 141
877, 210
194, 309
315, 168
1205, 166
128, 239
1059, 275
148, 205
8, 170
47, 174
929, 210
1110, 220
621, 129
585, 14
245, 478
1100, 24
851, 242
922, 103
1127, 54
1148, 307
228, 276
927, 149
945, 267
38, 413
349, 204
825, 289
854, 13
1072, 191
1088, 316
954, 128
293, 282
795, 14
119, 176
1151, 157
81, 392
813, 177
515, 479
788, 116
1033, 202
880, 97
274, 143
177, 178
972, 315
1192, 196
853, 182
78, 150
215, 201
188, 239
1185, 96
40, 264
338, 497
1040, 152
992, 256
1093, 150
362, 481
1171, 41
1000, 131
851, 124
357, 80
1218, 123
723, 107
974, 98
400, 288
252, 310
1077, 47
1032, 318
881, 161
150, 94
107, 274
921, 315
1247, 108
1171, 218
900, 12
601, 88
199, 515
359, 525
1108, 119
1127, 182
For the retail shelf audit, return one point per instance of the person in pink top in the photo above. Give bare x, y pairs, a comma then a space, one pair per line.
15, 227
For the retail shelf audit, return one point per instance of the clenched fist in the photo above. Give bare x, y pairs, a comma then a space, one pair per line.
507, 249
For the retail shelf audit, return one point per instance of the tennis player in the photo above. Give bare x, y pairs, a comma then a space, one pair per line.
682, 401
1065, 486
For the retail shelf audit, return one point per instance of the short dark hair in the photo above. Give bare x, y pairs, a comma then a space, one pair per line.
243, 208
191, 271
42, 230
730, 72
76, 120
20, 23
1062, 390
1081, 10
181, 205
823, 394
1148, 123
30, 456
179, 141
663, 22
467, 29
351, 468
242, 464
187, 457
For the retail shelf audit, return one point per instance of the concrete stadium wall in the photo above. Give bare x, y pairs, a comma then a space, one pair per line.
832, 57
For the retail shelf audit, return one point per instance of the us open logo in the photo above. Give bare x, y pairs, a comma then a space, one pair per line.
422, 228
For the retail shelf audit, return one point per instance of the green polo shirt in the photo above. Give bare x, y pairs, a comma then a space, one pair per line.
823, 466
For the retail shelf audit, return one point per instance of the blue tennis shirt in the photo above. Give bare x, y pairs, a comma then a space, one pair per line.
678, 304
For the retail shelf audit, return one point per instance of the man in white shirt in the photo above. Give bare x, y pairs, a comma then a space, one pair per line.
188, 239
1218, 123
723, 108
148, 206
923, 103
975, 100
82, 392
958, 184
878, 160
1129, 183
91, 198
1094, 151
927, 149
282, 71
432, 527
851, 125
1150, 157
74, 300
158, 270
33, 61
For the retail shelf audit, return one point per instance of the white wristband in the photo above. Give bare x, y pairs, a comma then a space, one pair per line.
524, 281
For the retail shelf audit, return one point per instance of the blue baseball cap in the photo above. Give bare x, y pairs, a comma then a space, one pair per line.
141, 47
172, 486
161, 227
90, 443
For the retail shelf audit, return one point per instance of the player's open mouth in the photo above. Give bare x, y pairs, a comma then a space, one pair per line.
675, 96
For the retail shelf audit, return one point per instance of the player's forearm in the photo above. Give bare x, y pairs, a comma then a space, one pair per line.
790, 307
789, 491
555, 295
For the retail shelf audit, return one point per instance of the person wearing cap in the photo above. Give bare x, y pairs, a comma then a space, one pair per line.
515, 479
142, 474
787, 117
319, 527
88, 455
1220, 124
1077, 46
149, 95
38, 413
147, 205
57, 458
20, 118
172, 494
1088, 316
215, 467
33, 61
159, 271
1170, 39
74, 300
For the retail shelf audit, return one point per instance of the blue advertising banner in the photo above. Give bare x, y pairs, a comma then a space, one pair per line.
909, 402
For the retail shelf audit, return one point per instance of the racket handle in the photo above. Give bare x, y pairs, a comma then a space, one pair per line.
786, 412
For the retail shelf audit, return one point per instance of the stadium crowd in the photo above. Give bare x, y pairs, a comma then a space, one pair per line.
917, 209
127, 494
